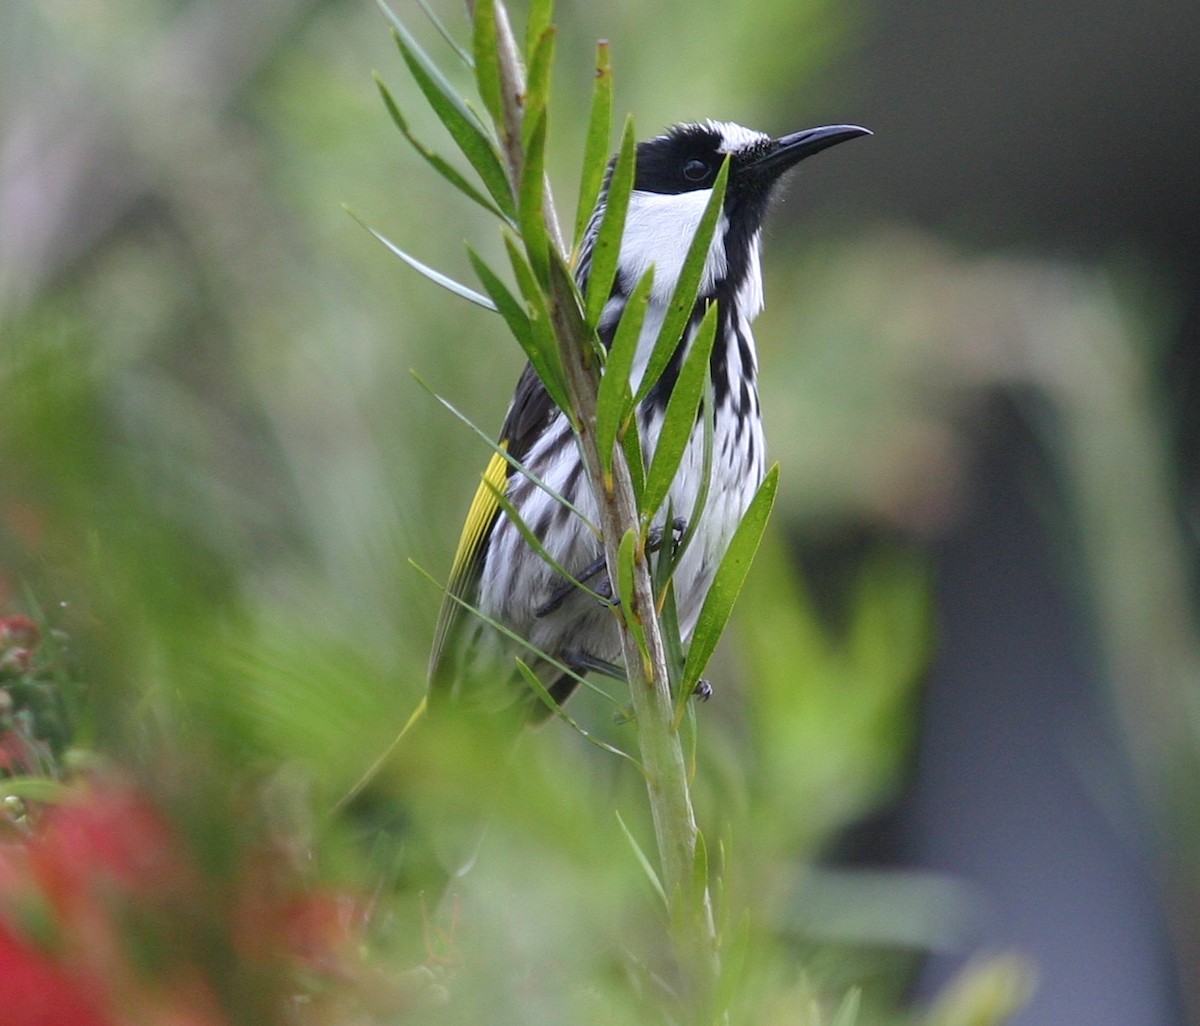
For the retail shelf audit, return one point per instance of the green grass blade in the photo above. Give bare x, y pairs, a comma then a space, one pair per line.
683, 299
679, 421
596, 144
463, 124
512, 461
603, 269
727, 584
614, 400
435, 276
439, 164
487, 59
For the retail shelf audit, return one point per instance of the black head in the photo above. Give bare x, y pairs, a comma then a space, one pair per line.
688, 157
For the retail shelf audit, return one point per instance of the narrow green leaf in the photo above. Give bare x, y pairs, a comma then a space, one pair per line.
487, 59
440, 165
445, 33
614, 400
544, 343
505, 302
631, 444
537, 78
683, 299
541, 13
531, 194
461, 122
512, 461
602, 270
407, 43
679, 421
626, 557
512, 635
696, 514
34, 789
596, 144
730, 576
699, 872
535, 543
644, 862
539, 689
564, 293
435, 276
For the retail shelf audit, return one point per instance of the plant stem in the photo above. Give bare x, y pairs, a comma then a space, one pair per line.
661, 747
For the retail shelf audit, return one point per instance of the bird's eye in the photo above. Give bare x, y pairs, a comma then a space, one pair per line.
695, 170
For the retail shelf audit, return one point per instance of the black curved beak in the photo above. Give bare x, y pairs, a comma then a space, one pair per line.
791, 149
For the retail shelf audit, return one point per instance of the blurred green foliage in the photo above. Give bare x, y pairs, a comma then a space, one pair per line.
214, 469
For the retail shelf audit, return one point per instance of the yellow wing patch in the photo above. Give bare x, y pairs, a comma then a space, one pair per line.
467, 557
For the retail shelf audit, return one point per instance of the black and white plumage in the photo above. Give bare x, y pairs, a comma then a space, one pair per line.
495, 569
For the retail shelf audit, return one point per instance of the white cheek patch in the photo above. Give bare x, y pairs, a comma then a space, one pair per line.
659, 229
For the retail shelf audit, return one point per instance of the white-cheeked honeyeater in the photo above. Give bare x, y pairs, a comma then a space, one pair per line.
495, 569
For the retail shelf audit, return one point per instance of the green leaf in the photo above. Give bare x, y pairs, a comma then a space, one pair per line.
631, 445
730, 576
487, 59
541, 13
512, 635
531, 195
505, 302
679, 421
535, 543
683, 299
512, 461
596, 145
549, 366
445, 33
34, 789
626, 561
696, 515
446, 170
614, 400
537, 79
435, 276
643, 861
536, 685
461, 122
699, 871
602, 270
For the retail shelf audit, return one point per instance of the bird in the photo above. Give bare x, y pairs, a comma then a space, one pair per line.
528, 608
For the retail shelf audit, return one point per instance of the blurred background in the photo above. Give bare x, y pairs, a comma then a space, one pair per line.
958, 712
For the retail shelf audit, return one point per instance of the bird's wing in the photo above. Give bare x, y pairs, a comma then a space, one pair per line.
530, 412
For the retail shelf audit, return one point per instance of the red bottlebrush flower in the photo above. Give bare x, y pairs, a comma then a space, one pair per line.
101, 839
39, 993
18, 630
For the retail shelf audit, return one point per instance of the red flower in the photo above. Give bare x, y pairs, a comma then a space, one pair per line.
39, 993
